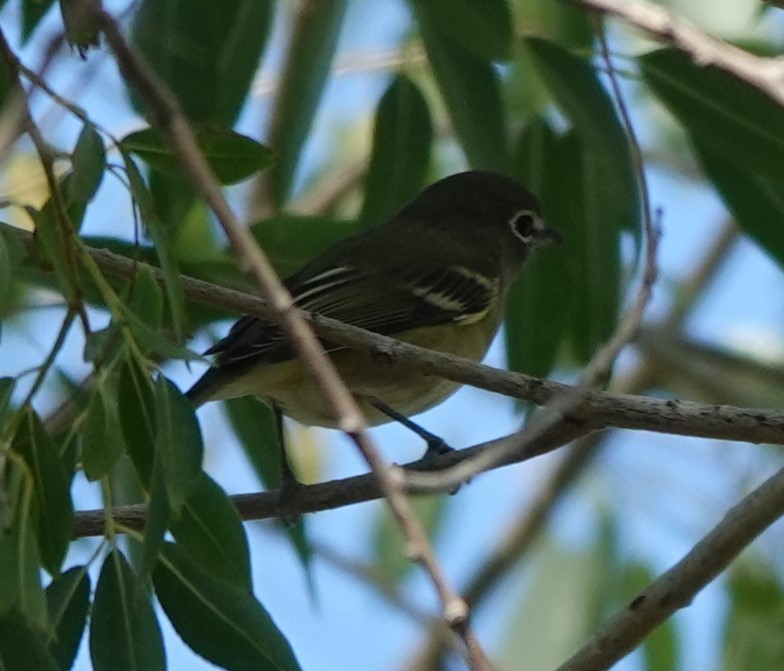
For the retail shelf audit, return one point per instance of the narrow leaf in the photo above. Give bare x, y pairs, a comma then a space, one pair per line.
146, 301
57, 248
578, 91
89, 162
54, 508
22, 648
11, 254
471, 91
101, 439
32, 13
311, 46
389, 546
210, 532
20, 573
591, 248
68, 600
755, 199
206, 52
401, 150
136, 404
254, 425
292, 240
544, 282
124, 631
232, 156
157, 521
225, 625
6, 390
482, 27
660, 650
177, 441
726, 115
162, 240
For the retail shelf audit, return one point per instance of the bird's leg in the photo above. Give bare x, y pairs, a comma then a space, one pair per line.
435, 444
289, 483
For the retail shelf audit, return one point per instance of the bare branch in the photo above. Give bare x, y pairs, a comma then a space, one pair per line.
677, 587
764, 74
597, 409
167, 115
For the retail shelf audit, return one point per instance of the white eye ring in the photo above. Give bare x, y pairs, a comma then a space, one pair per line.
525, 224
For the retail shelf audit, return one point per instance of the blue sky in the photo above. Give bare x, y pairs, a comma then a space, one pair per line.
666, 490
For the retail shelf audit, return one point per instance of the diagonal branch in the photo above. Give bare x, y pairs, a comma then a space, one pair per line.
764, 74
167, 115
597, 409
677, 587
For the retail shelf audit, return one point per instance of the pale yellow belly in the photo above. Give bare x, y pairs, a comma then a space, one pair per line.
404, 389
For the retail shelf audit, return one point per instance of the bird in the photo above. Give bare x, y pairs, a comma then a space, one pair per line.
435, 274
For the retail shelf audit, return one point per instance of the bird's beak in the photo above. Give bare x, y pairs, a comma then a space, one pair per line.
547, 236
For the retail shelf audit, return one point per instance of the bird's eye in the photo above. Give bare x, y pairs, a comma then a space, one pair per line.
523, 224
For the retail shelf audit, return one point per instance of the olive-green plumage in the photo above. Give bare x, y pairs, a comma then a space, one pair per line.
436, 274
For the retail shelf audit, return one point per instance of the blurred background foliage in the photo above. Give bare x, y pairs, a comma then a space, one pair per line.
321, 117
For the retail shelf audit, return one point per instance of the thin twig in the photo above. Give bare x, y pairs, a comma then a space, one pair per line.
764, 74
166, 114
368, 575
597, 410
45, 157
511, 548
677, 587
598, 368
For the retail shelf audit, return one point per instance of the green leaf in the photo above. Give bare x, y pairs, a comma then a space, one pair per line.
578, 91
136, 404
544, 282
756, 200
292, 240
660, 649
146, 301
162, 240
751, 637
89, 162
482, 27
225, 625
389, 557
32, 13
724, 114
178, 441
254, 425
210, 532
54, 508
308, 61
567, 25
11, 254
157, 521
233, 157
81, 26
6, 391
206, 52
101, 437
591, 248
472, 94
561, 589
68, 600
151, 340
20, 573
401, 151
124, 631
57, 248
22, 648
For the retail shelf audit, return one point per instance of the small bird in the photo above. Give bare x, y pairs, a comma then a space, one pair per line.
436, 275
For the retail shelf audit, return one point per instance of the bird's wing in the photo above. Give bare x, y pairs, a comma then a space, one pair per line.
364, 298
